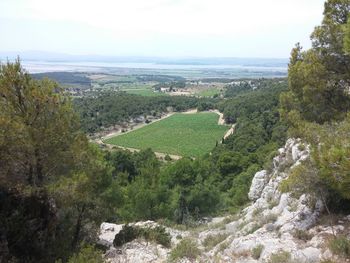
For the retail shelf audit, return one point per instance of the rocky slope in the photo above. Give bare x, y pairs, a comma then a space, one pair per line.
275, 227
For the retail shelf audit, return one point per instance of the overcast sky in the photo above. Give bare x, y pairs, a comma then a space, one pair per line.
210, 28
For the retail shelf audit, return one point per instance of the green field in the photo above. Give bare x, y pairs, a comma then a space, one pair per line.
180, 134
208, 92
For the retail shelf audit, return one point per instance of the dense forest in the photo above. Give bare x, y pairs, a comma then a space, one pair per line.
56, 187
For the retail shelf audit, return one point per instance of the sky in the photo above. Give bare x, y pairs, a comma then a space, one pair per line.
170, 28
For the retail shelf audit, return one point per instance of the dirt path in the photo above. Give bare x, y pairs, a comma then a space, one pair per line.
221, 120
230, 131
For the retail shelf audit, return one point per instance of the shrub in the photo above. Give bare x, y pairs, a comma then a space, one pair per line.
279, 257
187, 248
302, 235
157, 235
270, 218
87, 254
212, 240
167, 158
257, 211
256, 251
340, 246
273, 203
129, 233
253, 228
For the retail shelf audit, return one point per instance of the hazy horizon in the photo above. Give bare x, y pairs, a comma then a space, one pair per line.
158, 28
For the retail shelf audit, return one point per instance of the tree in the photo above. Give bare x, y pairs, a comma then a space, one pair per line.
40, 132
319, 78
347, 37
52, 181
316, 107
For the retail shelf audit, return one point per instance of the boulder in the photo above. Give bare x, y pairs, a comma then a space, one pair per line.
259, 181
108, 232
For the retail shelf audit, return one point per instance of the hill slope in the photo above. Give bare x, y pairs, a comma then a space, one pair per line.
275, 228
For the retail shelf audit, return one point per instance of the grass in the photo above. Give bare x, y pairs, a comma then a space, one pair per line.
340, 245
210, 92
281, 256
256, 251
212, 240
129, 233
302, 235
181, 134
187, 248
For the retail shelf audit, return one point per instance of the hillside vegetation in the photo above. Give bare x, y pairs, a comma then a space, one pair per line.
56, 187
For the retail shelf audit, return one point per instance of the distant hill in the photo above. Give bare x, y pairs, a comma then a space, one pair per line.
60, 57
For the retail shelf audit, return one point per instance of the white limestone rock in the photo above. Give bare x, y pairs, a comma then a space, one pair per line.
108, 232
259, 181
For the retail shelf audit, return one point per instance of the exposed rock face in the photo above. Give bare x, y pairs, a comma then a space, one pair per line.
259, 181
272, 222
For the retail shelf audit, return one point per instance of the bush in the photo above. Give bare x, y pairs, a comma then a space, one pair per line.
87, 254
270, 218
157, 235
340, 246
279, 257
256, 252
302, 235
212, 240
187, 248
167, 158
129, 233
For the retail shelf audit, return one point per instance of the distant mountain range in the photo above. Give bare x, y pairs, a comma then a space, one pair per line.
60, 57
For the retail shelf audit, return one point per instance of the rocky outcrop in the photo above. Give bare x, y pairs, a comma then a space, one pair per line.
272, 223
259, 181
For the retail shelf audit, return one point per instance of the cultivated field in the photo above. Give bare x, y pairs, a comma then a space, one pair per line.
180, 134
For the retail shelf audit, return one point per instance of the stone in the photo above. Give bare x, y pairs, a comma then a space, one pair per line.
259, 181
108, 232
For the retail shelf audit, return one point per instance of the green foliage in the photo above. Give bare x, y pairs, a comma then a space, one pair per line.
87, 254
256, 251
158, 235
181, 134
302, 235
62, 186
187, 248
316, 108
212, 240
107, 109
129, 233
39, 133
281, 256
340, 245
347, 37
326, 174
318, 78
